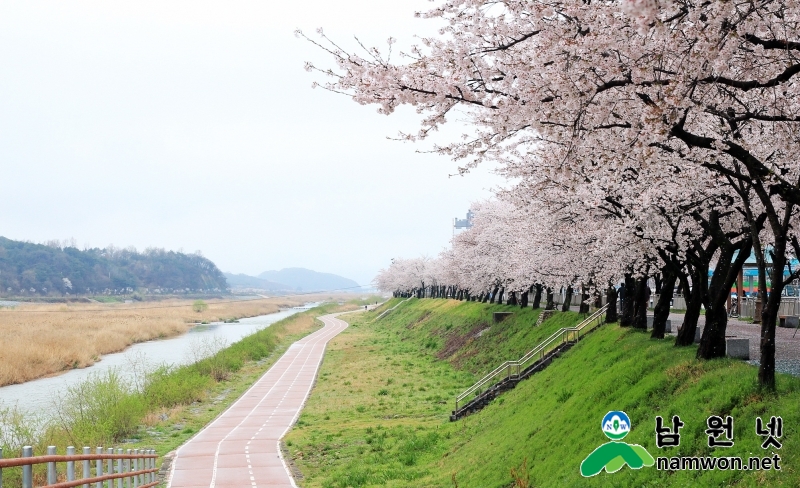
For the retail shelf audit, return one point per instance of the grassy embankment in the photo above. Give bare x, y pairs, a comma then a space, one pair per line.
378, 415
165, 407
46, 339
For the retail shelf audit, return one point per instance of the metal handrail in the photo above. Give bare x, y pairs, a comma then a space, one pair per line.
137, 466
513, 369
389, 310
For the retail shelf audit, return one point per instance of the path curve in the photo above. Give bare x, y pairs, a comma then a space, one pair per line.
240, 448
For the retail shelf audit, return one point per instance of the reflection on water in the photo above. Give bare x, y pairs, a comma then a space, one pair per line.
37, 396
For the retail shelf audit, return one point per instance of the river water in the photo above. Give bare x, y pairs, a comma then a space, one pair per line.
38, 396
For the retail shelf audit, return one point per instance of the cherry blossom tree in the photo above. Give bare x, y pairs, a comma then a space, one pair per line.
620, 93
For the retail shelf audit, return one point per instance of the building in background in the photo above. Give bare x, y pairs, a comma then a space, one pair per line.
462, 224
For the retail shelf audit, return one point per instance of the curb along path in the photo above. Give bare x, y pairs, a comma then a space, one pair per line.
240, 448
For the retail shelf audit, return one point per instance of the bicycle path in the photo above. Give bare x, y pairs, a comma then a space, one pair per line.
240, 448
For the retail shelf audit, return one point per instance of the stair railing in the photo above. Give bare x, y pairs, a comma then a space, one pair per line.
510, 370
389, 310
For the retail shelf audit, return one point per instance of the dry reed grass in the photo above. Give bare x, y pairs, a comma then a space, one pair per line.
46, 339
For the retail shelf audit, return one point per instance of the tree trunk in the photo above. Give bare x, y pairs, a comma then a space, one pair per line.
567, 299
694, 300
500, 296
769, 316
584, 306
523, 302
494, 294
661, 310
611, 311
640, 304
537, 298
769, 313
626, 301
549, 305
512, 298
712, 344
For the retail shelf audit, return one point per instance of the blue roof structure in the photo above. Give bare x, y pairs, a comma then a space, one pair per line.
750, 267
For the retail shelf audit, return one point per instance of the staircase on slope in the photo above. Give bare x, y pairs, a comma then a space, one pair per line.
507, 375
385, 312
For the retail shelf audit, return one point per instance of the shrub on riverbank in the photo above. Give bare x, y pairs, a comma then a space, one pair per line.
101, 409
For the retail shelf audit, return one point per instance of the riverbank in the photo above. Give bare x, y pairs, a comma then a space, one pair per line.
48, 339
169, 406
379, 413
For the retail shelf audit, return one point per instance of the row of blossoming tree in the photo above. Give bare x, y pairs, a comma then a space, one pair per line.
639, 138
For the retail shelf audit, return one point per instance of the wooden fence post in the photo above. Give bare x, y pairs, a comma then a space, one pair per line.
127, 467
152, 466
70, 464
87, 467
99, 468
119, 469
51, 467
27, 471
136, 468
110, 466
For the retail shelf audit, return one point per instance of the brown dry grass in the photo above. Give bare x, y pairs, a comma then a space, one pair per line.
38, 340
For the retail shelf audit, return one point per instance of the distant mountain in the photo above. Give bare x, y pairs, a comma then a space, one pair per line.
246, 281
302, 279
55, 270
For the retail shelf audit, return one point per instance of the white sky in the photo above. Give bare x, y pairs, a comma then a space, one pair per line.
192, 125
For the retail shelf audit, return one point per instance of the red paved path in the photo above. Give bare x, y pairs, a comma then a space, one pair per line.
240, 448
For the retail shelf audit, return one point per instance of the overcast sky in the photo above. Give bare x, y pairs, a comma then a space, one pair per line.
192, 125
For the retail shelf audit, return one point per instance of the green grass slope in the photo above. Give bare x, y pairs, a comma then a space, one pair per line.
379, 413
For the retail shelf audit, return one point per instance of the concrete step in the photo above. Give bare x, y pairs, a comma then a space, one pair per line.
477, 403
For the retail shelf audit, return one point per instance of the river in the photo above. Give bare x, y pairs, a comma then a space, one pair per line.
37, 396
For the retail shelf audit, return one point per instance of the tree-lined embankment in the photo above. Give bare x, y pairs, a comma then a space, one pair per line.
378, 415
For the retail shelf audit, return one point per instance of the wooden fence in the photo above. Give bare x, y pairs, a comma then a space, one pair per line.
135, 468
788, 306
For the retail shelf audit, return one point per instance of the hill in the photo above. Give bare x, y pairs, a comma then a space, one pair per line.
28, 269
302, 279
379, 413
243, 281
